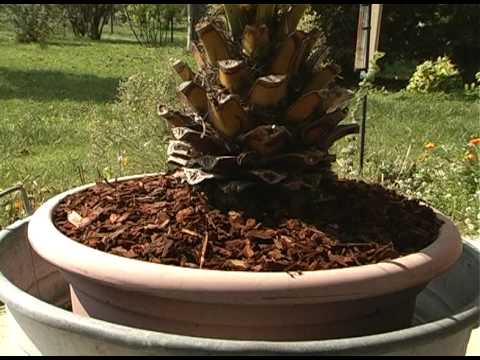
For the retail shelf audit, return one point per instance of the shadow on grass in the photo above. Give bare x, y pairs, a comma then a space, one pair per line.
87, 42
67, 43
457, 95
47, 85
177, 42
115, 41
391, 84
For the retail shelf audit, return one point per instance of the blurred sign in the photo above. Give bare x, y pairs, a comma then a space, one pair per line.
368, 34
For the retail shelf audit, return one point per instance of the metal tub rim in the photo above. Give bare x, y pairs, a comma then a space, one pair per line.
53, 316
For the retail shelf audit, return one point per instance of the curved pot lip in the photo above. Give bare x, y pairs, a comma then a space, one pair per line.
81, 261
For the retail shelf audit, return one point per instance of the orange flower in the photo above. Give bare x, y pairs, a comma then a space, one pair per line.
430, 146
18, 205
474, 141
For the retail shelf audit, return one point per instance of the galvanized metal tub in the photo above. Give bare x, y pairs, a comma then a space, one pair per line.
36, 295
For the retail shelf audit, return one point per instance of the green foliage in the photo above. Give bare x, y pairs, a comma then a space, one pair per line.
426, 31
49, 100
373, 70
408, 32
443, 177
11, 207
150, 22
438, 75
131, 130
145, 21
33, 22
366, 85
422, 145
473, 89
338, 22
309, 21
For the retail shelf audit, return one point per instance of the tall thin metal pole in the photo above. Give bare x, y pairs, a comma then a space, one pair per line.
366, 27
194, 13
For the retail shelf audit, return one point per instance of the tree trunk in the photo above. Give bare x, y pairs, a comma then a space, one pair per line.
111, 20
96, 26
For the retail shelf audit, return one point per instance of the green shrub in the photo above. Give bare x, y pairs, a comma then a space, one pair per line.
338, 22
131, 138
33, 22
473, 89
432, 76
446, 177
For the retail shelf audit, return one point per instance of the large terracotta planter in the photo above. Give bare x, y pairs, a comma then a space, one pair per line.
242, 305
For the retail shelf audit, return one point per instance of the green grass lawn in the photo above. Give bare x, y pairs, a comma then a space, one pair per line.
51, 98
47, 96
418, 144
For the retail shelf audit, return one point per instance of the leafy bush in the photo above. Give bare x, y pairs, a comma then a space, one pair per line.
33, 22
439, 75
446, 177
425, 146
131, 138
339, 24
473, 89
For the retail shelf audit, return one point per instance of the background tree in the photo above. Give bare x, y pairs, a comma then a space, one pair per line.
409, 32
339, 25
151, 23
171, 13
88, 19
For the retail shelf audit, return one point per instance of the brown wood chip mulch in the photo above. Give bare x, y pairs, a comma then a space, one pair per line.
164, 220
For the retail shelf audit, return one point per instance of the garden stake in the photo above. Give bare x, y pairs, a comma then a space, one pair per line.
366, 27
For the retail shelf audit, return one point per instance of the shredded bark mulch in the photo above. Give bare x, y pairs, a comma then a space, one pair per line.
162, 219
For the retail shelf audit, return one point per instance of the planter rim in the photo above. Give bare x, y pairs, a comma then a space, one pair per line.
43, 312
204, 285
